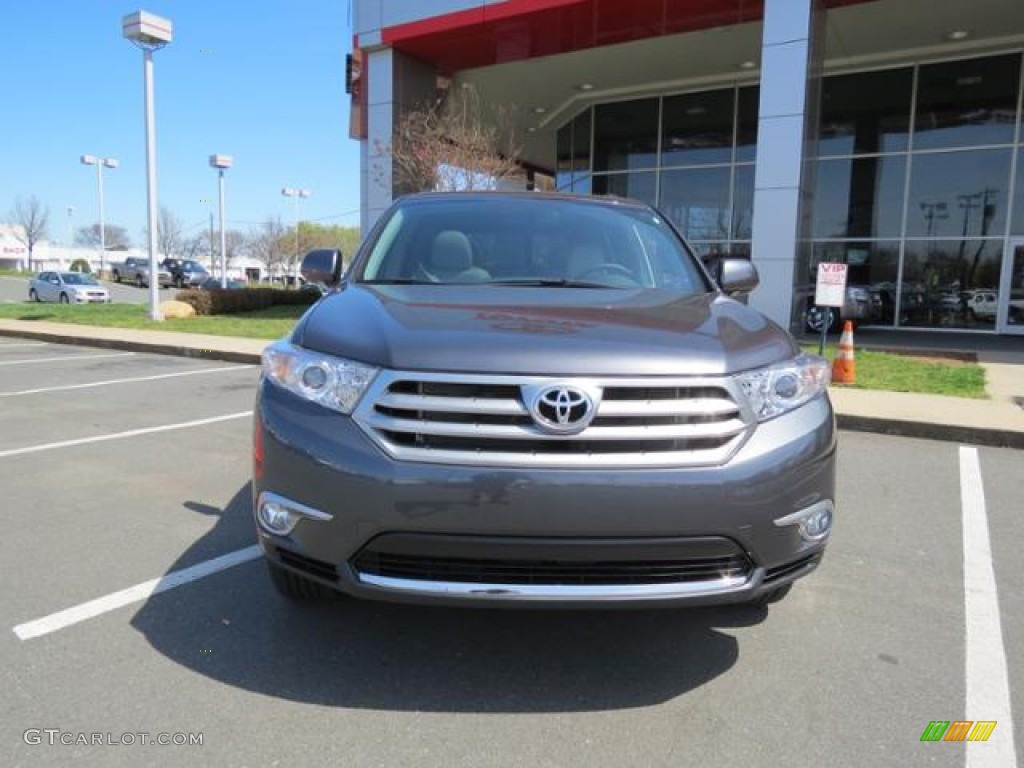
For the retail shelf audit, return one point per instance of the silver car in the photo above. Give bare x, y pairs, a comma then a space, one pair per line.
527, 399
67, 288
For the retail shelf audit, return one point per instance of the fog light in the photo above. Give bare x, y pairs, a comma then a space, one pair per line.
279, 515
814, 522
276, 517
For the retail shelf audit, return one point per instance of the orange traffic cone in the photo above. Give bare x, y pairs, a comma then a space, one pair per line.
844, 368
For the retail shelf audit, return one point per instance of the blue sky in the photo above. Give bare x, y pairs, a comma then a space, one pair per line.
262, 81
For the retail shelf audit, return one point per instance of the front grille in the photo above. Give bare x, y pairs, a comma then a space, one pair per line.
781, 571
313, 567
551, 572
485, 420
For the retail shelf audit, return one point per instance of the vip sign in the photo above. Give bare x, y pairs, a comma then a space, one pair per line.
830, 290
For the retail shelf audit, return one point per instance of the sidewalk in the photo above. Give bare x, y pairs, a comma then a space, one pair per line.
998, 421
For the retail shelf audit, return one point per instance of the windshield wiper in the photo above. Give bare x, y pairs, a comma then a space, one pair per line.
549, 282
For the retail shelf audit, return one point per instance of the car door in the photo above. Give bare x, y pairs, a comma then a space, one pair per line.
48, 287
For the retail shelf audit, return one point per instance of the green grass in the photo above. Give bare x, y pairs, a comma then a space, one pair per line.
270, 323
903, 373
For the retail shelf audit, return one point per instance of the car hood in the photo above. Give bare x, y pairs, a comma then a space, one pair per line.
542, 331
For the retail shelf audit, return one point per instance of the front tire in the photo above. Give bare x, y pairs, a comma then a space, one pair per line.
815, 317
294, 587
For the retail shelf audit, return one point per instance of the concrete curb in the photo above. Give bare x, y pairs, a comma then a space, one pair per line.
886, 426
996, 438
176, 350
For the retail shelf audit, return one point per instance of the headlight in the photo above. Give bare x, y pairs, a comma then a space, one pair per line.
328, 381
780, 388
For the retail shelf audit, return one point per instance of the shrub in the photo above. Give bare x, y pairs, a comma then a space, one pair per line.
243, 300
81, 265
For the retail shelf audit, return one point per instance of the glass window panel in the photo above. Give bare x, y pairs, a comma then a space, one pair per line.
581, 142
946, 282
563, 148
959, 194
746, 123
637, 186
697, 128
581, 184
860, 197
1017, 224
962, 103
873, 269
866, 112
626, 135
743, 202
697, 200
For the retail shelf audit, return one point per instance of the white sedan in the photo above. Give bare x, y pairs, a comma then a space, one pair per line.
67, 288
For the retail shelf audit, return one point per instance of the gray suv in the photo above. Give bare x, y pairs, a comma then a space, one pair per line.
534, 399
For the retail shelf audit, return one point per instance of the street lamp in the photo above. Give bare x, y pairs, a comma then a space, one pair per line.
222, 163
71, 231
295, 194
100, 163
150, 33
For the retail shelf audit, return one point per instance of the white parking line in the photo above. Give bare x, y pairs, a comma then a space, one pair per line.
108, 382
139, 592
120, 435
988, 687
62, 358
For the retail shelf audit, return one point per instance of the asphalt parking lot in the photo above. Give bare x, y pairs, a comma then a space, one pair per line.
125, 481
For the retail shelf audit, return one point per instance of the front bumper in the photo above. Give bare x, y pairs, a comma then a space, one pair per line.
715, 522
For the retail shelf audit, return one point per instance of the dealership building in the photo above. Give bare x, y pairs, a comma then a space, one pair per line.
884, 134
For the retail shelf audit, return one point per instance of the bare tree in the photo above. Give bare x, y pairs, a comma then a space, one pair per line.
270, 244
168, 233
116, 237
33, 218
459, 143
196, 247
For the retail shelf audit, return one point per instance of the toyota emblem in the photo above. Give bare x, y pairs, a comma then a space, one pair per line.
562, 409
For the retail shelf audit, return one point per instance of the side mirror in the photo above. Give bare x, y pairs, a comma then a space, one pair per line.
322, 266
737, 276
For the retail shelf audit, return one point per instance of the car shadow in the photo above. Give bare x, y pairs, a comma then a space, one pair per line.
235, 629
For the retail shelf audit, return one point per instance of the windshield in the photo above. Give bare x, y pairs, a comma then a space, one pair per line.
531, 240
76, 278
192, 266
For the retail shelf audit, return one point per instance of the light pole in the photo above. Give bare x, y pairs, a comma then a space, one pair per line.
100, 163
150, 33
221, 163
71, 233
295, 194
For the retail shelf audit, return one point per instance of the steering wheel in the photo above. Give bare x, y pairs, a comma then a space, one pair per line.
615, 269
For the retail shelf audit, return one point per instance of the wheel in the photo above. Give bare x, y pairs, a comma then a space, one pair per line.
294, 587
815, 317
32, 295
64, 299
